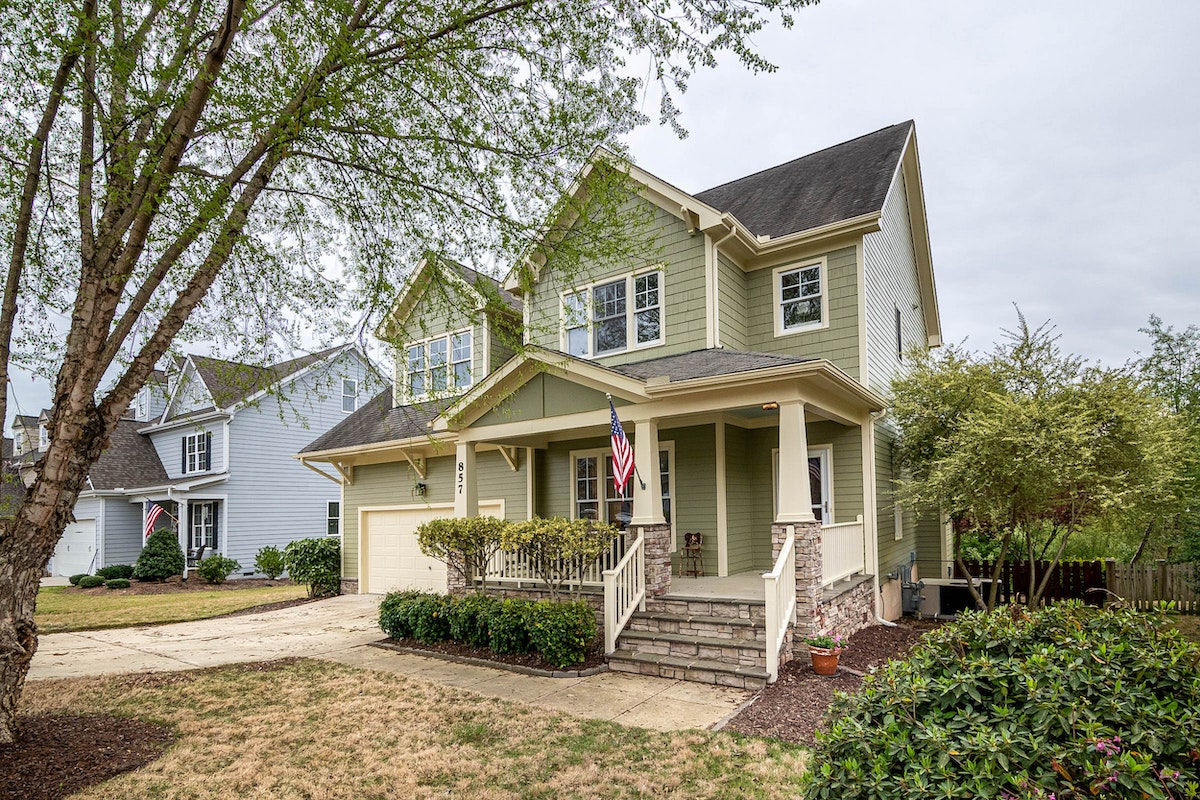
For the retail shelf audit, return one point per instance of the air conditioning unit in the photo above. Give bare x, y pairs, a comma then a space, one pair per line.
944, 598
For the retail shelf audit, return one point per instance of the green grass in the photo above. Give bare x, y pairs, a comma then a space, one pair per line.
318, 729
60, 609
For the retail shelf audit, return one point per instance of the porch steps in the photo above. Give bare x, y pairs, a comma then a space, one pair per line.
721, 642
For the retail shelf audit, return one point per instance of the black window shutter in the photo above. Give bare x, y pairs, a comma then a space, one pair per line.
183, 467
208, 451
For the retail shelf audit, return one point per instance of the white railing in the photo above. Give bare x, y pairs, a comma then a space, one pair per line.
843, 551
624, 592
780, 594
515, 568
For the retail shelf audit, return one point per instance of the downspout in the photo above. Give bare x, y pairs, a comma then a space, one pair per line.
714, 305
876, 417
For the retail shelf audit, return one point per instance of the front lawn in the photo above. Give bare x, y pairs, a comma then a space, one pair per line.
64, 608
320, 730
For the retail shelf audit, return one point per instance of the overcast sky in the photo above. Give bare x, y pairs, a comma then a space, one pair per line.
1058, 145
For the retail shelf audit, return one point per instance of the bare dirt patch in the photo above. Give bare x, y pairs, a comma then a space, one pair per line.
793, 708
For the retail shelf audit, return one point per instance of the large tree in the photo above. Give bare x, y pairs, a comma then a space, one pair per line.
174, 163
1026, 439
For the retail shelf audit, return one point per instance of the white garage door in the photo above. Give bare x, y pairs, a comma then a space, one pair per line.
393, 560
76, 548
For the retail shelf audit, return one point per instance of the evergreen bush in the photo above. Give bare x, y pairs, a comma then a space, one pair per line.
216, 568
395, 614
561, 632
508, 628
117, 583
74, 579
269, 561
90, 581
316, 562
115, 571
161, 557
469, 619
1066, 701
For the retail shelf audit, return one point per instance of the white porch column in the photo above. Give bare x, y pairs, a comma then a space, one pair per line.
181, 529
466, 486
647, 503
795, 491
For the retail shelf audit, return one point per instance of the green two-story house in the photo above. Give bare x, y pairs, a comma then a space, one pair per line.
748, 359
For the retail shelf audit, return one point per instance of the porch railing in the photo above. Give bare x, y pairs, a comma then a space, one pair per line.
514, 568
842, 551
780, 594
624, 592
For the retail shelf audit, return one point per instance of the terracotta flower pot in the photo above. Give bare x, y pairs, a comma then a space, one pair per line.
824, 660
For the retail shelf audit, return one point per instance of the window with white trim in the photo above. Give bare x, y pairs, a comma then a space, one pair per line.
595, 497
141, 403
799, 297
349, 395
202, 525
197, 453
600, 320
333, 518
438, 365
43, 438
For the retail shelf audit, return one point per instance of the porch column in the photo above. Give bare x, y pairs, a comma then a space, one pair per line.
181, 530
648, 520
466, 487
794, 490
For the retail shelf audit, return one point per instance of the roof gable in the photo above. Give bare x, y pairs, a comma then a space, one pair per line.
129, 461
481, 291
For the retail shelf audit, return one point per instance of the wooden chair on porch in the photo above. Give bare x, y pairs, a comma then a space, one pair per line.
691, 557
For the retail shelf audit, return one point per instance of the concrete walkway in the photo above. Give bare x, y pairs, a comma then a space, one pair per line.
340, 629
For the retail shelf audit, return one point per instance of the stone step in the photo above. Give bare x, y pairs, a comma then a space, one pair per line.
697, 670
707, 607
729, 628
713, 648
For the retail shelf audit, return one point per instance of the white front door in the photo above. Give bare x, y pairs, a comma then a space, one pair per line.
818, 477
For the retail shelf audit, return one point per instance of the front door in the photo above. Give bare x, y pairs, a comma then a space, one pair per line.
818, 480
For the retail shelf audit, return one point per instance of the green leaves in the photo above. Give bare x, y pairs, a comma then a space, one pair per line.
316, 562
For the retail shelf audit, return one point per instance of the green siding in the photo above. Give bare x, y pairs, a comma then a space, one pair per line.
732, 310
392, 484
682, 255
695, 500
545, 396
845, 469
743, 494
838, 342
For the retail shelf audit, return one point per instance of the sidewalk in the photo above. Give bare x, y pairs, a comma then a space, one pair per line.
340, 629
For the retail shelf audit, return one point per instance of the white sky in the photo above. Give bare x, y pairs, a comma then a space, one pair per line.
1058, 141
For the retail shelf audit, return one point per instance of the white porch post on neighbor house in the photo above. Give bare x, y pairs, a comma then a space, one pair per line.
795, 491
466, 487
647, 503
183, 531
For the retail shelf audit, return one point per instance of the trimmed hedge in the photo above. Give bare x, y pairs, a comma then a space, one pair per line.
1066, 701
561, 632
90, 582
116, 571
117, 583
75, 579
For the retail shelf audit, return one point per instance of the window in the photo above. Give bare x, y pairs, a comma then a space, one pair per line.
349, 395
597, 498
43, 438
600, 320
333, 518
202, 525
197, 453
139, 404
800, 300
439, 364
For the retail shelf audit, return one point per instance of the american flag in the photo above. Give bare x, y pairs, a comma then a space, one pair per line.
152, 516
622, 452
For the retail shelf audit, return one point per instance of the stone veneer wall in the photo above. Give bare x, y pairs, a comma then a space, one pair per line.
847, 612
658, 558
808, 573
349, 585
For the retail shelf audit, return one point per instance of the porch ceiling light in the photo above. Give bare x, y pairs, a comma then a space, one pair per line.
772, 406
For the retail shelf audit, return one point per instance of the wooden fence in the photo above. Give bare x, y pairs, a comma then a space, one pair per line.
1095, 582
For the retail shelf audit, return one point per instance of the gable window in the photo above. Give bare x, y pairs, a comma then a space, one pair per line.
140, 404
333, 518
600, 320
197, 453
349, 395
439, 364
799, 298
202, 525
43, 438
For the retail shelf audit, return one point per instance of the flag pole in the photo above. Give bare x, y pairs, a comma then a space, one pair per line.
635, 469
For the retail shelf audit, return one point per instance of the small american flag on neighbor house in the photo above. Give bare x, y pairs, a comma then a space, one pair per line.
152, 516
622, 452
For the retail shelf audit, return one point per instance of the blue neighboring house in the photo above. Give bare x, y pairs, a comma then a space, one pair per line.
212, 444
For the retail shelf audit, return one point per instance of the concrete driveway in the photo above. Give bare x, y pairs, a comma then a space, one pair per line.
340, 629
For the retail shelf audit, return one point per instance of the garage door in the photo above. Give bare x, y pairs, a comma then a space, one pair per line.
76, 548
394, 562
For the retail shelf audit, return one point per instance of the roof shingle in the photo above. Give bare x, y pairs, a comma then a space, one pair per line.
379, 421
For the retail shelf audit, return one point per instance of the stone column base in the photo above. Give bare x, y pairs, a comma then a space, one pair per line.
658, 558
808, 574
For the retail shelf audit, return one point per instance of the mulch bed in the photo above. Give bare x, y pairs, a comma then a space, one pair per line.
176, 584
595, 655
793, 708
56, 756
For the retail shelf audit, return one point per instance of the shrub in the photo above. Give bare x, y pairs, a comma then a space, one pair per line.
508, 630
561, 632
558, 548
430, 618
74, 579
395, 614
469, 619
465, 544
117, 583
269, 561
216, 568
90, 581
316, 562
1068, 700
161, 557
115, 571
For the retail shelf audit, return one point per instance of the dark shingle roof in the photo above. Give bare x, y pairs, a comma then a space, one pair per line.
230, 382
130, 460
486, 285
379, 421
838, 183
705, 364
